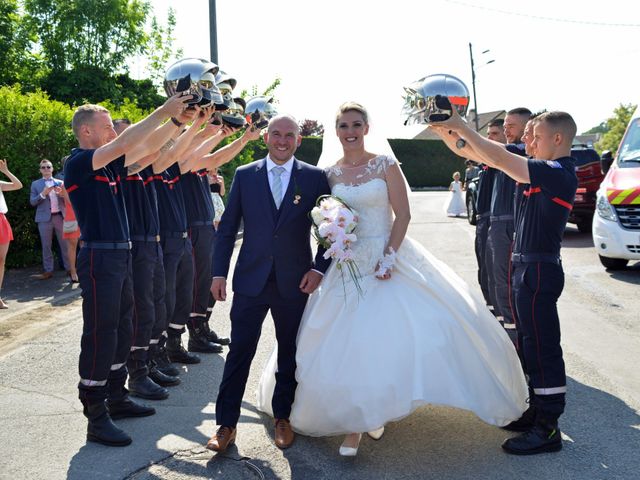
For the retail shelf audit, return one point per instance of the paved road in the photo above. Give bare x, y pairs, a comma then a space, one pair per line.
42, 434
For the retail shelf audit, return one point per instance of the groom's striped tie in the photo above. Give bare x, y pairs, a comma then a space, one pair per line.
276, 188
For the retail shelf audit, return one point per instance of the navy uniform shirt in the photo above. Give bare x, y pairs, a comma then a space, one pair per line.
96, 196
485, 187
197, 198
545, 206
173, 217
140, 201
502, 197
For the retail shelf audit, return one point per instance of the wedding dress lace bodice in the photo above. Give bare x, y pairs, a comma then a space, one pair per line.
364, 189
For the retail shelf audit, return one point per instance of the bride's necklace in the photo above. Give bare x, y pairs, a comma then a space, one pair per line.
363, 160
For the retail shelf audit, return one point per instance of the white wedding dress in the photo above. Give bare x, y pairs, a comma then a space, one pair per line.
455, 206
422, 337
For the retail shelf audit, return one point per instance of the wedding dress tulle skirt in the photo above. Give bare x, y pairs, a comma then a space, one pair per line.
421, 337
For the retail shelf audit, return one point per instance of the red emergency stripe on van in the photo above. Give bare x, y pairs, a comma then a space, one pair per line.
632, 198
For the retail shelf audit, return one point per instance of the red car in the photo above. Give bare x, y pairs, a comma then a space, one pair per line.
590, 176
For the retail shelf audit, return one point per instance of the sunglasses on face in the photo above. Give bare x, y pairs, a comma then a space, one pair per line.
45, 167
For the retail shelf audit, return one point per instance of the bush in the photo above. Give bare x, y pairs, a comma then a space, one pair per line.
32, 127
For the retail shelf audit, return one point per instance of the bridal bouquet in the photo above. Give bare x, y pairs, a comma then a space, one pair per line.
333, 225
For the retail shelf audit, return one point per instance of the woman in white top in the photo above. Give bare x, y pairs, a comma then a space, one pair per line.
6, 235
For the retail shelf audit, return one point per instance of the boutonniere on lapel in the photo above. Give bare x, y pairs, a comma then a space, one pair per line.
297, 194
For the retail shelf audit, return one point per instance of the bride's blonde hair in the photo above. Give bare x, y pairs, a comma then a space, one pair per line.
352, 107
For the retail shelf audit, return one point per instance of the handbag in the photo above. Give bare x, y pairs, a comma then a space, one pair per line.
69, 226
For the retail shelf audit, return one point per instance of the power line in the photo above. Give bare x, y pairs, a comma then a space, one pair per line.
547, 19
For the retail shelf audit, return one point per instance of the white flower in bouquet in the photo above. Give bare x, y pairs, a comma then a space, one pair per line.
317, 215
334, 223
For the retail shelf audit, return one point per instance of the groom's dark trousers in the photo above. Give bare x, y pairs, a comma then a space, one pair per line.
274, 257
247, 315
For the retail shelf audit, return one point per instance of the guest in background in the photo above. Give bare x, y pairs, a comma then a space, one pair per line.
46, 196
6, 235
456, 206
70, 231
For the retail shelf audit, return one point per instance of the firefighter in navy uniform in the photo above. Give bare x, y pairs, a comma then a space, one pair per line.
501, 229
92, 175
199, 210
483, 206
538, 278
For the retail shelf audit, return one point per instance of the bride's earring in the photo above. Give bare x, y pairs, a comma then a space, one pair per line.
346, 450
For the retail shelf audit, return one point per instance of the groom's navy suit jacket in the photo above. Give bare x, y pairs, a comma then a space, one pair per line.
274, 241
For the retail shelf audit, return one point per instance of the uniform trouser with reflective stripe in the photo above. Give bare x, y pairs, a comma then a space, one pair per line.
149, 316
178, 272
107, 310
482, 228
537, 287
499, 239
202, 241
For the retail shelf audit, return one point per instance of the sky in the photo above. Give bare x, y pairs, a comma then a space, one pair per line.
582, 57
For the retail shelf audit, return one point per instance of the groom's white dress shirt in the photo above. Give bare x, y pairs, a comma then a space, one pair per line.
284, 177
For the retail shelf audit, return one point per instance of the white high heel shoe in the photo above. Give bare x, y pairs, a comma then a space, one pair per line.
350, 451
376, 434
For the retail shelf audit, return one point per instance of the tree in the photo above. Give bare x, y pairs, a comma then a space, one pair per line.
602, 128
311, 128
97, 33
616, 126
159, 49
17, 63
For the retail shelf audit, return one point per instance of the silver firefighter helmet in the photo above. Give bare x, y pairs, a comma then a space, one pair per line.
196, 77
224, 77
260, 110
431, 99
234, 117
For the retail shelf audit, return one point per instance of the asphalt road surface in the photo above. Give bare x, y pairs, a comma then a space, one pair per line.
43, 430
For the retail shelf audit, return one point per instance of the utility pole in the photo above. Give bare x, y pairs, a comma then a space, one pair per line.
473, 83
213, 32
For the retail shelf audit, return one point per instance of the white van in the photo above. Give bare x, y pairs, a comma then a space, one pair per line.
616, 225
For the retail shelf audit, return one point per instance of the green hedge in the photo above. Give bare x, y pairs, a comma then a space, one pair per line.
425, 163
33, 127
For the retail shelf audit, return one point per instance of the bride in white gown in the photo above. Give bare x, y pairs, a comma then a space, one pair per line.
441, 344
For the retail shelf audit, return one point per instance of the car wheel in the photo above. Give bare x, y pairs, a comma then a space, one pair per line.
471, 210
584, 225
613, 263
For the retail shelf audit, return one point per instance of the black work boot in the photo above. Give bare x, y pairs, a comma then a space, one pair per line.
524, 423
213, 336
160, 378
198, 341
542, 438
120, 405
176, 351
140, 385
159, 355
100, 428
127, 408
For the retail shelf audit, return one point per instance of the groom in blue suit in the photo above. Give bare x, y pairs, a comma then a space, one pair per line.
275, 271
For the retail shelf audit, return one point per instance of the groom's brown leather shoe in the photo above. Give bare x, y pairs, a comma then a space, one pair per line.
284, 435
224, 437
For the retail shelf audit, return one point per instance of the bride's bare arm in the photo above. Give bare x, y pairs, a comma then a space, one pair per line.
399, 199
